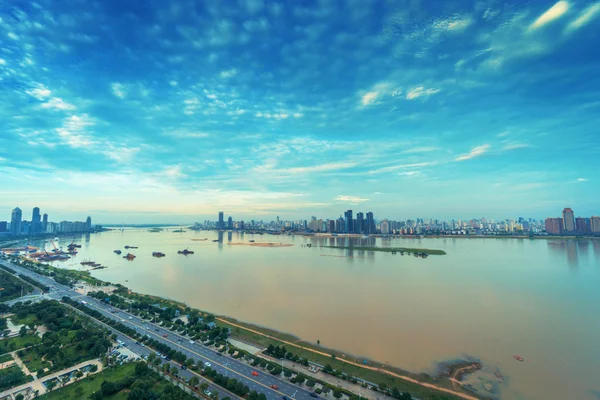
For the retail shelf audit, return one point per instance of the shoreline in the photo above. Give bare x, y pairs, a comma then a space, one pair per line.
254, 244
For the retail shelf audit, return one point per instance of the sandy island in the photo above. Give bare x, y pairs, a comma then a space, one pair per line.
269, 244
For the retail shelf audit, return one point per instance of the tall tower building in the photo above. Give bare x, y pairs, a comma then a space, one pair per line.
221, 223
16, 220
44, 223
88, 224
385, 227
370, 224
35, 220
360, 223
595, 225
348, 218
554, 226
229, 223
568, 220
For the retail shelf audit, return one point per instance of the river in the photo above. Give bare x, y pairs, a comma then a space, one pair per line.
487, 298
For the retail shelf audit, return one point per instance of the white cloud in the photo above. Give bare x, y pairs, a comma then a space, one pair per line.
72, 132
12, 36
320, 168
515, 145
419, 92
57, 103
351, 199
173, 171
297, 115
2, 62
409, 173
503, 134
581, 180
584, 17
40, 92
397, 167
228, 73
475, 152
186, 134
554, 12
118, 90
420, 150
368, 98
173, 83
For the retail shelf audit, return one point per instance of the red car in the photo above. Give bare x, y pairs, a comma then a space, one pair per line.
254, 373
274, 387
165, 335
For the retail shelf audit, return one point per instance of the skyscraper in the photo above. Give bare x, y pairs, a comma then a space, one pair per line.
595, 225
581, 225
360, 223
88, 224
44, 223
370, 224
385, 227
348, 228
568, 220
16, 221
221, 223
229, 223
35, 220
554, 226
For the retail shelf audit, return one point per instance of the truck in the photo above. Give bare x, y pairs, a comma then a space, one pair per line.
83, 302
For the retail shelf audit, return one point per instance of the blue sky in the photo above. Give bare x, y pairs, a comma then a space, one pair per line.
150, 111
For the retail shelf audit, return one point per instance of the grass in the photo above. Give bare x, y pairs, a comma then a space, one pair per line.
5, 358
336, 363
16, 343
28, 320
391, 249
84, 388
33, 361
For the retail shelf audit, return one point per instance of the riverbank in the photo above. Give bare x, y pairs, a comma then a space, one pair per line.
409, 250
252, 244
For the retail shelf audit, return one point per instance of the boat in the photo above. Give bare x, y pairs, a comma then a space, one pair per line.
131, 247
157, 254
129, 256
519, 358
251, 241
117, 251
216, 240
185, 252
499, 375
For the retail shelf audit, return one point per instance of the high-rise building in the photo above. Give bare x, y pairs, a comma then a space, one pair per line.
221, 223
370, 224
348, 228
3, 226
35, 220
331, 226
88, 224
45, 223
581, 225
16, 220
360, 223
385, 227
568, 220
595, 225
554, 226
229, 223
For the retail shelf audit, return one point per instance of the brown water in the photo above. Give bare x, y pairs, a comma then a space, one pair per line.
487, 298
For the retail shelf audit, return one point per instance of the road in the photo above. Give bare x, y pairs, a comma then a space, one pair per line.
223, 364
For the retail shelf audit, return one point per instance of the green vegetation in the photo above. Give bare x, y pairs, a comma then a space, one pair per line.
5, 358
18, 342
69, 340
66, 277
11, 287
11, 377
130, 381
391, 249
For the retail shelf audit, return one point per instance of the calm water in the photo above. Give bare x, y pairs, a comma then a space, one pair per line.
488, 298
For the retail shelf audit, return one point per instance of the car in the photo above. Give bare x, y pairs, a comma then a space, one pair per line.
168, 358
156, 329
183, 367
143, 345
130, 317
313, 394
122, 320
137, 342
163, 356
285, 398
254, 373
165, 335
207, 392
219, 354
191, 342
207, 364
273, 386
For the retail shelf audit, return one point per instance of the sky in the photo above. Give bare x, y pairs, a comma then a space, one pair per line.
161, 111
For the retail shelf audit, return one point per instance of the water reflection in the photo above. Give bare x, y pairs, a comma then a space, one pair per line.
568, 247
229, 234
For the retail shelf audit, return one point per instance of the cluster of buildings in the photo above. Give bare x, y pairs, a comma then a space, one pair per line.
366, 224
570, 225
39, 225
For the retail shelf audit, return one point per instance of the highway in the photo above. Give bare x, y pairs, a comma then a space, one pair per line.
222, 363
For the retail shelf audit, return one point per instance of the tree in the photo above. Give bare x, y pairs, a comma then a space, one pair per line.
262, 396
204, 386
23, 331
194, 381
310, 382
287, 373
19, 397
318, 342
337, 393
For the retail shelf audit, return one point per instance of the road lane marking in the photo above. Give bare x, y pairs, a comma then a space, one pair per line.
202, 356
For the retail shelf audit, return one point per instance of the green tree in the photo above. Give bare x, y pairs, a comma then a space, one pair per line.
337, 393
287, 373
194, 381
19, 397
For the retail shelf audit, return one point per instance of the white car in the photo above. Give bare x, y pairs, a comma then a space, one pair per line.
207, 364
130, 317
191, 342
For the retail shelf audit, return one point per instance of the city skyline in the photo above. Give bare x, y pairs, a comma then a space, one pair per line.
402, 109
